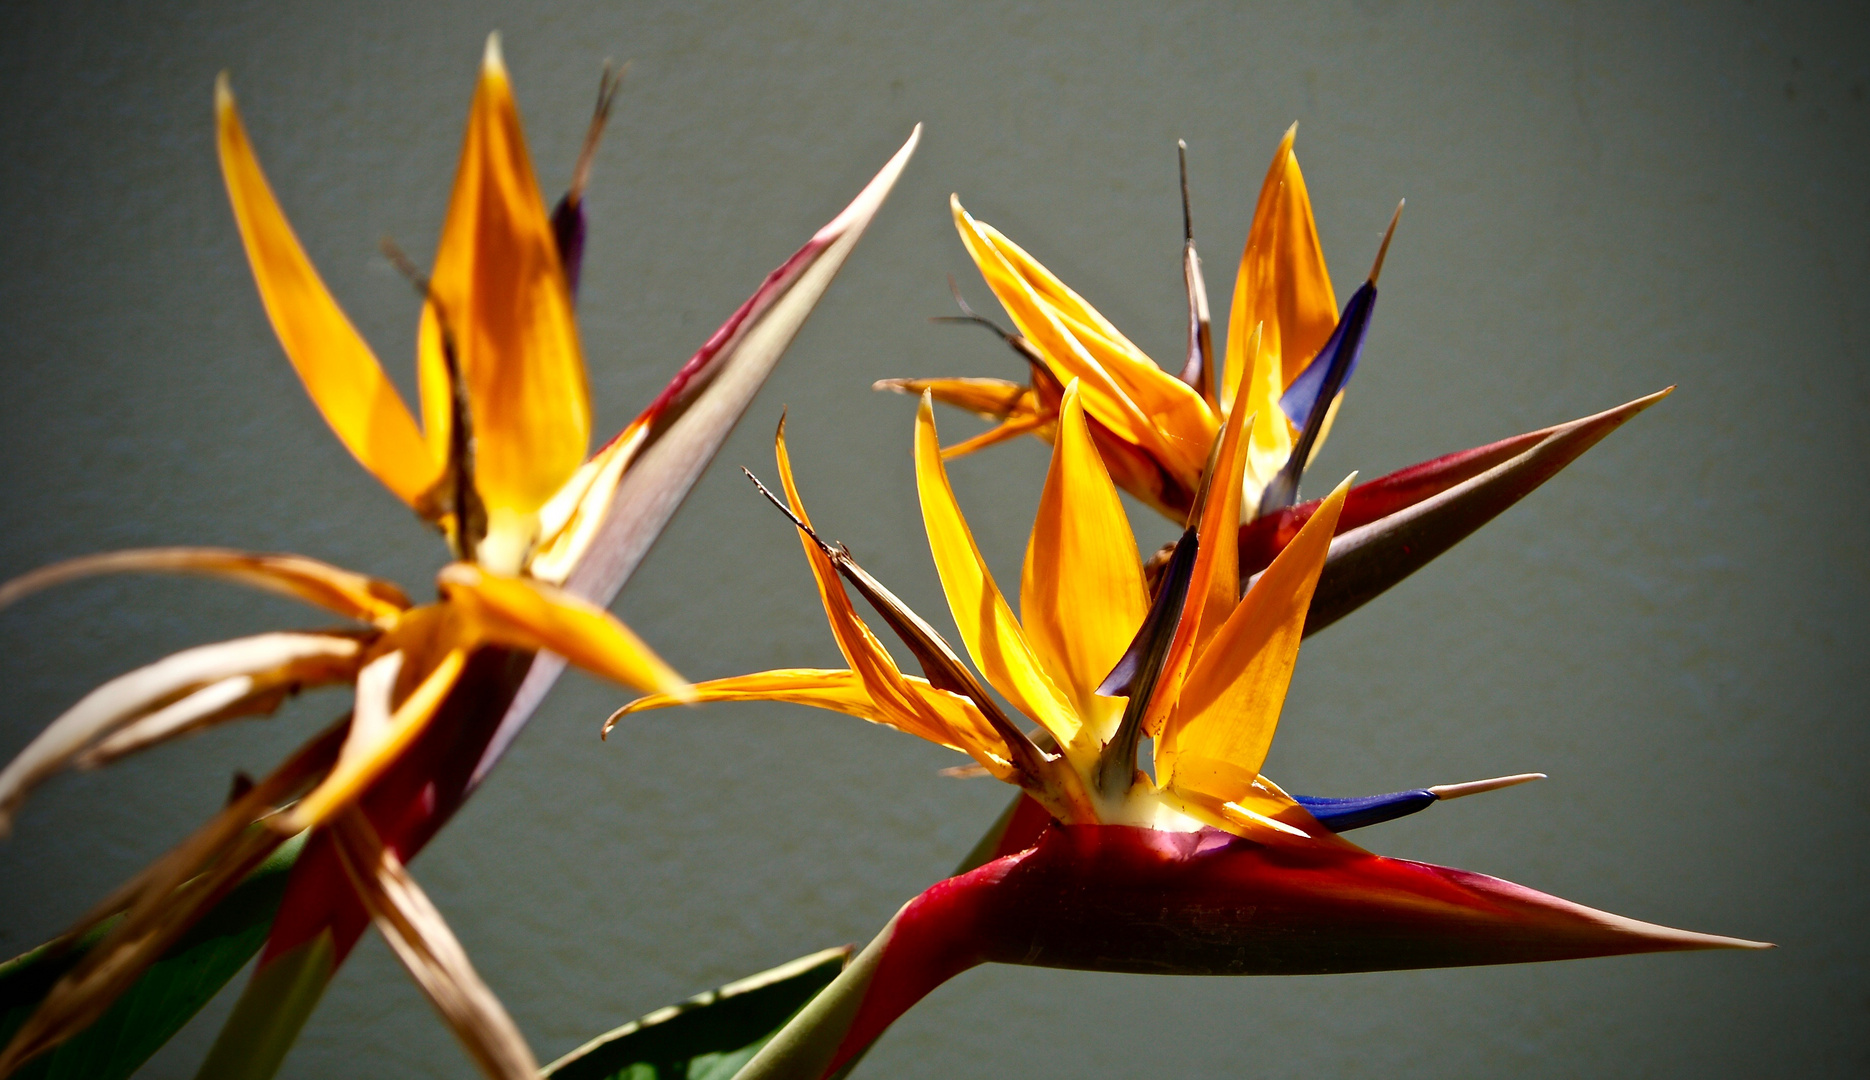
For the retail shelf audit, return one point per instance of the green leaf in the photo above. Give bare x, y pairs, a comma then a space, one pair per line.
709, 1036
168, 995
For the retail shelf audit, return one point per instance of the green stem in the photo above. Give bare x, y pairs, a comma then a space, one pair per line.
806, 1046
270, 1013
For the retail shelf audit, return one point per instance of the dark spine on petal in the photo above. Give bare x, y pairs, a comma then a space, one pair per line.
1311, 394
568, 232
1343, 815
1152, 638
1137, 672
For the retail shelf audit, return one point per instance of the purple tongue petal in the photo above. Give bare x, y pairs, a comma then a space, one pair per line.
1343, 815
1308, 400
1152, 640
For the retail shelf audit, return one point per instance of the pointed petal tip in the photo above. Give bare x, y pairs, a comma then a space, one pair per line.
223, 93
855, 217
1445, 792
1383, 250
493, 61
1669, 938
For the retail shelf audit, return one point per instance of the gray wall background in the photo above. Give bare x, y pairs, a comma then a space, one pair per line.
1603, 200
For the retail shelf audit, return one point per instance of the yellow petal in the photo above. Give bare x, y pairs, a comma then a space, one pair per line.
1220, 532
1282, 282
1272, 439
996, 399
1106, 398
1229, 704
1150, 406
1178, 414
987, 625
339, 370
378, 733
532, 615
1241, 801
1081, 595
883, 681
994, 436
353, 595
947, 719
499, 284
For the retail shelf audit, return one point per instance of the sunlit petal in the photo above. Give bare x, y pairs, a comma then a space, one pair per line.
1229, 704
996, 399
1282, 282
1081, 594
501, 296
338, 369
959, 725
531, 615
570, 521
987, 625
1106, 399
1218, 566
378, 732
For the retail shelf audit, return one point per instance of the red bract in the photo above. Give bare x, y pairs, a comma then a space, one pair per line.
1124, 899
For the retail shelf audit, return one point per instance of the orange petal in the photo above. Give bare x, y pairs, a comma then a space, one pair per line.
1000, 262
378, 733
987, 625
338, 369
946, 719
532, 615
1282, 282
996, 399
885, 683
1219, 531
1230, 701
1081, 593
501, 289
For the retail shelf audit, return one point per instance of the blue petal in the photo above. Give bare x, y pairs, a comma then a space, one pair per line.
1340, 351
1343, 815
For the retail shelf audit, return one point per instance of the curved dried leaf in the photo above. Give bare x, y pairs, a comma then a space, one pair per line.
164, 900
421, 939
138, 693
353, 595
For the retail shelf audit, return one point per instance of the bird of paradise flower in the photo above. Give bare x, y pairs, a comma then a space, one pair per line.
1155, 429
1289, 354
499, 465
1202, 865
